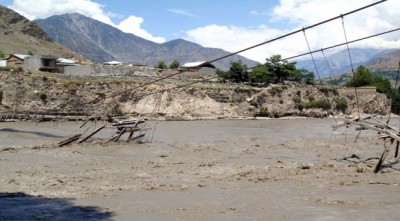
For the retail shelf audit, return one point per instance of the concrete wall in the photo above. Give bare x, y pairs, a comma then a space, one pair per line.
106, 70
81, 70
32, 63
360, 90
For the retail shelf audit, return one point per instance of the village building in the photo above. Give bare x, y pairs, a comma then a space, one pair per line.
16, 60
113, 63
202, 67
3, 63
63, 62
40, 62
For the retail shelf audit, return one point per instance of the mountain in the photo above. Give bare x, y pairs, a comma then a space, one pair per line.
101, 42
339, 62
18, 35
385, 62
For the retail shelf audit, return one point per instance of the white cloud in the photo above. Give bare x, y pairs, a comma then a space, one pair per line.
302, 13
40, 9
182, 12
133, 25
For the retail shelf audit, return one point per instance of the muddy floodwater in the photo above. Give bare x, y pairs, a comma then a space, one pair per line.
197, 170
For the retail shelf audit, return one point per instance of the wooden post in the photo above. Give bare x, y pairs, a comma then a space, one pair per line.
69, 140
90, 135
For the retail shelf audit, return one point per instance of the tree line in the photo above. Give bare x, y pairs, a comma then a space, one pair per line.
163, 65
274, 70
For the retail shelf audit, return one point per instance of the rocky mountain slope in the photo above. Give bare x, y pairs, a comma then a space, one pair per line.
387, 62
19, 35
339, 62
101, 42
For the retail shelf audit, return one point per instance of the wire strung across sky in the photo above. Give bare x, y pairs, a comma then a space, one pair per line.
288, 58
272, 40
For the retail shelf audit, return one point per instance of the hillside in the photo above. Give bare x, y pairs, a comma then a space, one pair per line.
339, 62
386, 62
101, 42
19, 35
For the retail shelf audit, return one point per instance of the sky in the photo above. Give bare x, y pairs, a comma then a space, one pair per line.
234, 24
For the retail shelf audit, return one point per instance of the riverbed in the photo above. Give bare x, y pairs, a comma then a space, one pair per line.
295, 169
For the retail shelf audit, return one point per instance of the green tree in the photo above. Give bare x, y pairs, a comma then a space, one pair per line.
161, 65
307, 77
362, 77
175, 64
382, 85
259, 74
236, 73
282, 70
2, 54
223, 74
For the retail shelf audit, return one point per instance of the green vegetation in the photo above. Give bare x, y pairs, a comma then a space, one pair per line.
6, 68
2, 55
263, 112
296, 99
362, 77
237, 72
253, 103
324, 104
174, 64
275, 70
341, 104
161, 65
43, 96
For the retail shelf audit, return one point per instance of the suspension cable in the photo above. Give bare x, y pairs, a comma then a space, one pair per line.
329, 65
271, 40
341, 44
298, 31
316, 69
393, 94
312, 57
352, 68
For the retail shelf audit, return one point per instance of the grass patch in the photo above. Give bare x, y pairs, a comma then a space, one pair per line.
341, 104
323, 104
262, 112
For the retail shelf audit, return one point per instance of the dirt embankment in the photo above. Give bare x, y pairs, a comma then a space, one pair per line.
23, 91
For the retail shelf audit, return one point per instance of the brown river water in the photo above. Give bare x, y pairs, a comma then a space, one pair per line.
296, 169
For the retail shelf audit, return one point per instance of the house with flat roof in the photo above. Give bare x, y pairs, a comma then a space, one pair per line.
41, 62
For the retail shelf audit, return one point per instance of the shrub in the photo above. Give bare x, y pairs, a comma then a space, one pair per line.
296, 99
6, 68
275, 90
253, 103
326, 90
341, 104
324, 104
311, 98
43, 96
263, 112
